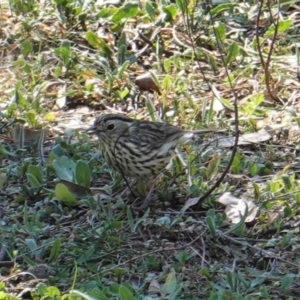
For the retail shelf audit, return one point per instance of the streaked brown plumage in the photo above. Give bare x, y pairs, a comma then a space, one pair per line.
139, 149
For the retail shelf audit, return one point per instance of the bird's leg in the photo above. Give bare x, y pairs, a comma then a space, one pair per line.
146, 202
185, 165
129, 187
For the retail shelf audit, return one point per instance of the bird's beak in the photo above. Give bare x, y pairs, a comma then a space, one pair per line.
91, 130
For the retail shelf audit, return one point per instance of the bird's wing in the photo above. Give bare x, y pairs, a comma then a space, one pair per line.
145, 133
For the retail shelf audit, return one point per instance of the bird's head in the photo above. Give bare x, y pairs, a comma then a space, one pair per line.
111, 126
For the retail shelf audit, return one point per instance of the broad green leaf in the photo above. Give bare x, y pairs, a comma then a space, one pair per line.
237, 164
171, 10
205, 271
287, 212
220, 31
107, 12
3, 178
150, 10
122, 46
167, 82
213, 167
211, 60
64, 52
115, 225
36, 172
33, 181
287, 281
120, 271
220, 8
64, 168
86, 255
31, 117
171, 283
82, 173
99, 43
26, 47
128, 10
231, 280
53, 292
182, 5
233, 52
283, 26
55, 250
63, 194
151, 111
256, 189
125, 293
286, 181
58, 151
122, 93
297, 198
167, 65
211, 225
31, 244
42, 289
124, 67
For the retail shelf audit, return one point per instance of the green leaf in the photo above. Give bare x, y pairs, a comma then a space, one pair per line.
171, 283
33, 181
220, 31
171, 10
82, 173
86, 255
286, 181
167, 65
64, 52
122, 69
150, 10
53, 292
107, 12
283, 26
213, 167
26, 47
64, 168
237, 164
121, 54
297, 198
167, 83
220, 8
31, 117
36, 172
256, 189
128, 10
120, 272
31, 244
205, 271
182, 5
63, 194
211, 225
233, 52
55, 250
42, 289
99, 43
287, 281
125, 293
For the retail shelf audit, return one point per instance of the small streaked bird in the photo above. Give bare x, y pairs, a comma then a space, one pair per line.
137, 148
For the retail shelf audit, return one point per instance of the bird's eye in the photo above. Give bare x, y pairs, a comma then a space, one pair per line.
110, 126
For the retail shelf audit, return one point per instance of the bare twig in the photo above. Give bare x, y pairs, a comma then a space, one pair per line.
235, 105
264, 63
